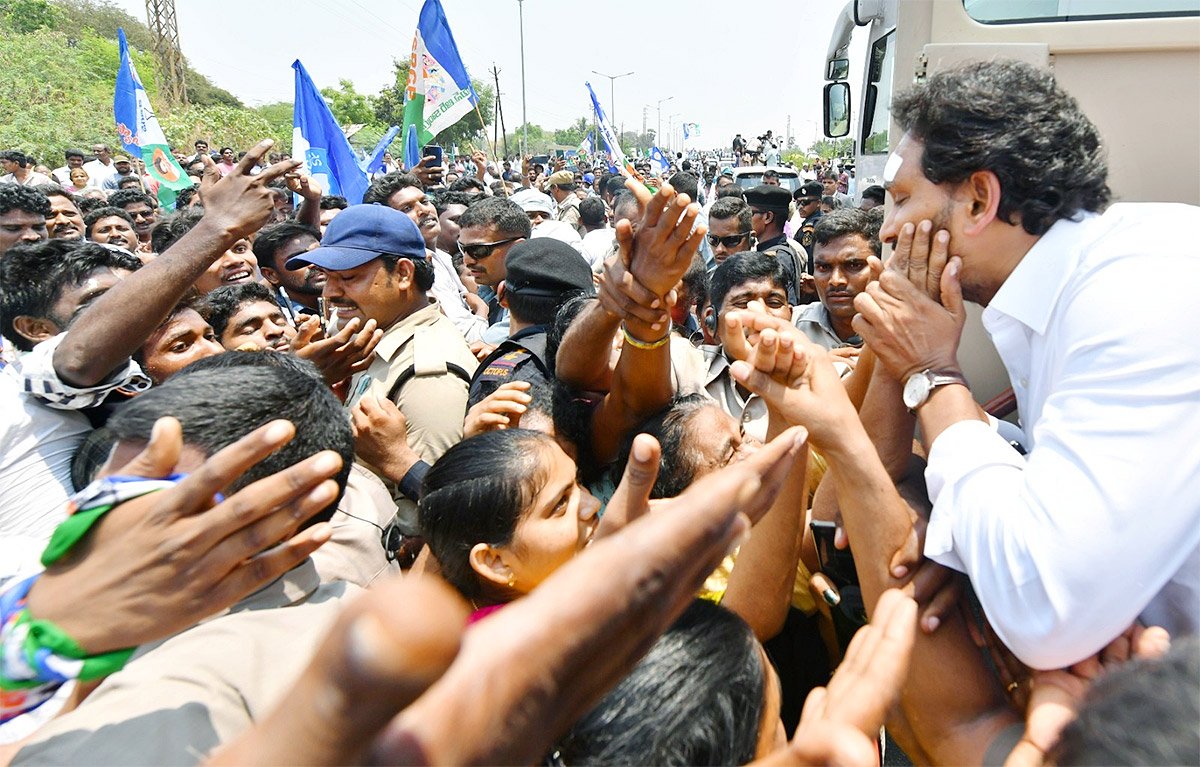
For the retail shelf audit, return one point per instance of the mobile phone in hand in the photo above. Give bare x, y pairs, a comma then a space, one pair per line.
435, 151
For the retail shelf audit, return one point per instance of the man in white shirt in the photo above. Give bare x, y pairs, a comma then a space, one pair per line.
74, 159
17, 171
1099, 523
102, 167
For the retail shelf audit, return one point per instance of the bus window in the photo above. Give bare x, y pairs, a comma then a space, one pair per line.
1009, 12
877, 112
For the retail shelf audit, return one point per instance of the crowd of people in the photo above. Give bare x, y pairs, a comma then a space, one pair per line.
526, 462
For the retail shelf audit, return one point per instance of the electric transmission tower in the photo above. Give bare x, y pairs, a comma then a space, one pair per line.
171, 85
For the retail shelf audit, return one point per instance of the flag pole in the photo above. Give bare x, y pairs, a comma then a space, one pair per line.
503, 183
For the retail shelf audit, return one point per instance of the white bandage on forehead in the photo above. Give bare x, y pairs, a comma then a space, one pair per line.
890, 170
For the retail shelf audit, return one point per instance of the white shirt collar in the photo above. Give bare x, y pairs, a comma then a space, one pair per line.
1032, 289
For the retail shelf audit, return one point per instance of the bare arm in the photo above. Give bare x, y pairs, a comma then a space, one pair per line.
118, 323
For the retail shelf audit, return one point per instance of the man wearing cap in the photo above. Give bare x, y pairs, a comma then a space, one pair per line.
808, 213
124, 169
540, 275
561, 186
376, 268
768, 212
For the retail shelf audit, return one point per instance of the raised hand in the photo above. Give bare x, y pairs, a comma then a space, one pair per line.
427, 171
841, 721
661, 249
502, 409
239, 204
340, 356
305, 186
160, 563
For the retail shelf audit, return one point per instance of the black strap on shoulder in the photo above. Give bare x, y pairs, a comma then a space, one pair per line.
412, 371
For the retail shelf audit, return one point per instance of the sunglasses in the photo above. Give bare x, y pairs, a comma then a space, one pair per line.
809, 201
482, 250
731, 241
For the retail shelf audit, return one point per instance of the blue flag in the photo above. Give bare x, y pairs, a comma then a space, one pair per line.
321, 144
374, 163
588, 146
412, 148
658, 163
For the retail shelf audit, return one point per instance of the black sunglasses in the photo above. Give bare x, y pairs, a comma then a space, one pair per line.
731, 241
808, 201
482, 250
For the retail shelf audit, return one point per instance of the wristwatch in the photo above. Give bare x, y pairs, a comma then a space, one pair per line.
919, 386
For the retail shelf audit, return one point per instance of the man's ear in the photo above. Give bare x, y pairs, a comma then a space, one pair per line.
502, 294
488, 563
406, 273
35, 329
269, 274
981, 191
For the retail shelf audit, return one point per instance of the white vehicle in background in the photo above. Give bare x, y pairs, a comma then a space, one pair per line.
750, 176
1131, 64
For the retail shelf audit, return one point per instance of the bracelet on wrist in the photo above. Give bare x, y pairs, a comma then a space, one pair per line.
647, 345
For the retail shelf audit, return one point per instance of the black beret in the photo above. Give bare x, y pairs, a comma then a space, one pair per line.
810, 190
769, 196
545, 266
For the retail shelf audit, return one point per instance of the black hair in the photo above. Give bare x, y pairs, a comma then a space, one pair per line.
19, 197
536, 310
256, 387
679, 461
1012, 119
333, 202
731, 190
1144, 712
499, 188
731, 207
591, 211
123, 197
844, 221
624, 200
685, 182
504, 214
741, 268
695, 282
468, 183
54, 190
33, 278
831, 201
73, 153
271, 238
226, 147
107, 211
220, 304
13, 155
170, 229
476, 493
446, 199
874, 192
183, 198
87, 204
696, 698
615, 185
382, 188
770, 173
423, 272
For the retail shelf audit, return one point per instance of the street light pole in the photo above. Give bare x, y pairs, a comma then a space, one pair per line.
524, 117
612, 90
658, 130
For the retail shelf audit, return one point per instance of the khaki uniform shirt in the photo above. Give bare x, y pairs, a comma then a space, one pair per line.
433, 400
177, 700
355, 553
813, 321
568, 213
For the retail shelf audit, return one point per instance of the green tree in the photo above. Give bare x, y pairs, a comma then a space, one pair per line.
348, 105
25, 16
829, 148
223, 126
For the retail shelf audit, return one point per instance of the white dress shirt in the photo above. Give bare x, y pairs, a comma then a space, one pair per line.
449, 290
1100, 523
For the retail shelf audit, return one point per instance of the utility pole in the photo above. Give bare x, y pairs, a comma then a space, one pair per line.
612, 91
644, 108
161, 15
496, 121
658, 130
524, 116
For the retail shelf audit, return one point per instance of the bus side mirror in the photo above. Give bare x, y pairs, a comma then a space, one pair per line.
837, 109
837, 69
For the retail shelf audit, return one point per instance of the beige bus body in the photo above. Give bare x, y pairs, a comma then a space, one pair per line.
1137, 79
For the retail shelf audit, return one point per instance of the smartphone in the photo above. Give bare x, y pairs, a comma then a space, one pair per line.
836, 563
433, 150
558, 154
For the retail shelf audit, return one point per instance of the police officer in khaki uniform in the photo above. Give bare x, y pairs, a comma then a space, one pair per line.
561, 186
375, 263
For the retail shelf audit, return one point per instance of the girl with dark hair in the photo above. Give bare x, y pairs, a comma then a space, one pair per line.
502, 511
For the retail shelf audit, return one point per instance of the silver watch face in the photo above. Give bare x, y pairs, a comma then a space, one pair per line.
916, 390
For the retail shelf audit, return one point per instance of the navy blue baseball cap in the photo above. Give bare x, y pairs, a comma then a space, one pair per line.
361, 233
